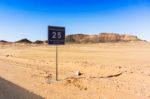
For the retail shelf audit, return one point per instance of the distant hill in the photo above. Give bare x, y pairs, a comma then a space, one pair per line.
26, 41
3, 41
38, 42
84, 38
102, 37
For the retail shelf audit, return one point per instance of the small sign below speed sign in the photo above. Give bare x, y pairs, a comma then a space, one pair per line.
56, 35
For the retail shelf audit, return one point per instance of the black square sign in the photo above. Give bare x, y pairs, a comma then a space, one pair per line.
56, 35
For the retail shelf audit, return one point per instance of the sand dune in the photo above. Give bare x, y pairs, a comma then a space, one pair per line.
108, 70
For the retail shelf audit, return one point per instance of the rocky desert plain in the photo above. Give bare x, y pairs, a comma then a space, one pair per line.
109, 68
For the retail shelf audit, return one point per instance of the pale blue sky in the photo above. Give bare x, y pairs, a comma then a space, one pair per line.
30, 18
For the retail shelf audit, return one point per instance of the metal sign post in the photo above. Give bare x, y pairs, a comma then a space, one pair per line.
56, 36
56, 63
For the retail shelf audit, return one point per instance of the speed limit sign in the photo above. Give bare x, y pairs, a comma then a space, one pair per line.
56, 35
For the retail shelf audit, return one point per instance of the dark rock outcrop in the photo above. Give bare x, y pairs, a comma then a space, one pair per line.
26, 41
3, 41
38, 42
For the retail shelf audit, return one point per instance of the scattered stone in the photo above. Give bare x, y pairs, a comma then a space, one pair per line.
131, 72
7, 55
78, 73
76, 82
46, 71
119, 67
49, 76
49, 79
85, 88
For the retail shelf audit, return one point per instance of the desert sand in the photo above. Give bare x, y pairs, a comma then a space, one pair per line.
108, 70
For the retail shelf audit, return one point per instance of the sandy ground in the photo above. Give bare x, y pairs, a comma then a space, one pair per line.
109, 70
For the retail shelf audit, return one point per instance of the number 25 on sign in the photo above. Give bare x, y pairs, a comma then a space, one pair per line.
56, 35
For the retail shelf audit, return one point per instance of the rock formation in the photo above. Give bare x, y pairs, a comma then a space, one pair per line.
84, 38
109, 37
102, 37
38, 42
26, 41
3, 41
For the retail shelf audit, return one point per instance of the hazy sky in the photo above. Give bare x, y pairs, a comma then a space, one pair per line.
30, 18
